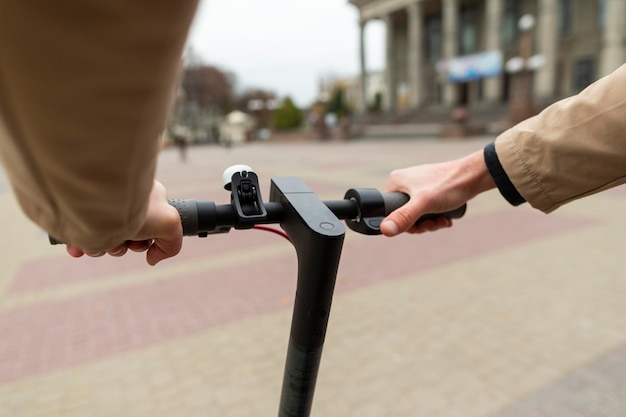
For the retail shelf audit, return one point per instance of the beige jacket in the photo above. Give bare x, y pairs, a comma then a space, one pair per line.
572, 149
85, 87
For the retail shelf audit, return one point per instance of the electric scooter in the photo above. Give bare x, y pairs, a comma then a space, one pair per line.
315, 229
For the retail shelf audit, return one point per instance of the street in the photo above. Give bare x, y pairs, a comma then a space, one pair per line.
509, 313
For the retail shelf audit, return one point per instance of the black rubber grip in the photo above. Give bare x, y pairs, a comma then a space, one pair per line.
394, 201
188, 211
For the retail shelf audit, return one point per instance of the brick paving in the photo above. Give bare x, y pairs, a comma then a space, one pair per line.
596, 389
508, 313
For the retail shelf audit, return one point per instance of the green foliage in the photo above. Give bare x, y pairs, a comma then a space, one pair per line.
337, 104
287, 116
377, 105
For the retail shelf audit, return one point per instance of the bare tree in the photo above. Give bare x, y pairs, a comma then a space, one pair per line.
260, 103
209, 88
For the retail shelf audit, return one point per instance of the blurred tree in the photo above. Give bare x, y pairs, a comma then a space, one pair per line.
377, 105
260, 103
205, 94
338, 104
287, 115
208, 88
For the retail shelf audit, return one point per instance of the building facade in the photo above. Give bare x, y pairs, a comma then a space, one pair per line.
574, 43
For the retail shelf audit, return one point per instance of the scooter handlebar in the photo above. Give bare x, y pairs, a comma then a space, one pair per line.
206, 217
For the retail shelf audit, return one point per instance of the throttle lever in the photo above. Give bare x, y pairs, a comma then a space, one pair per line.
371, 206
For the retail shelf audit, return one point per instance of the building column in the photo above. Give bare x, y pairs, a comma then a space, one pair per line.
415, 64
547, 32
493, 42
390, 70
450, 45
613, 40
363, 67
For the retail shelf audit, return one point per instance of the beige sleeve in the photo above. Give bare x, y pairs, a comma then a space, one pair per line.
574, 148
85, 87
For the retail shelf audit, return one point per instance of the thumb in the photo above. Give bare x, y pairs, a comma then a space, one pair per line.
400, 220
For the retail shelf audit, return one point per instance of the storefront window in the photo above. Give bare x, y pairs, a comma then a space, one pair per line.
469, 30
509, 23
433, 38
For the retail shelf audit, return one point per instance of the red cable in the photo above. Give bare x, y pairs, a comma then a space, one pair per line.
273, 230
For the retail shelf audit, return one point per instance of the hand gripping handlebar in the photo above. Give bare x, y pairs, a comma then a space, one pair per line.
362, 208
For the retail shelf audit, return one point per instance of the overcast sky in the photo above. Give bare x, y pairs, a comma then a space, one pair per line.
284, 46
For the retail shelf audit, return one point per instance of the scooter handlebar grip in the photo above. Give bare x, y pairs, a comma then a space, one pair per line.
394, 201
188, 211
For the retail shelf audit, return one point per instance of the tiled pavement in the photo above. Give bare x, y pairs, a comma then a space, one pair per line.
510, 313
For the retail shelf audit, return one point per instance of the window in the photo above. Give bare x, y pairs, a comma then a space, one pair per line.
468, 32
433, 38
584, 73
509, 23
601, 13
566, 17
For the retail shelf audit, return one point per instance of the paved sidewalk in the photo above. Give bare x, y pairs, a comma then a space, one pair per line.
510, 313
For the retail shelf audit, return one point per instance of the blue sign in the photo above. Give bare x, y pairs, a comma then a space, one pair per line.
472, 67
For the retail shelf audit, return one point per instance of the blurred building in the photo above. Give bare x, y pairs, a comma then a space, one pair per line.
453, 52
375, 85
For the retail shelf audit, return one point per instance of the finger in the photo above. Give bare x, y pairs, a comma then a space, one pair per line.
139, 245
95, 254
118, 251
162, 249
423, 227
73, 251
444, 222
431, 225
